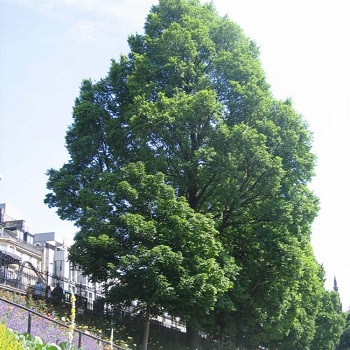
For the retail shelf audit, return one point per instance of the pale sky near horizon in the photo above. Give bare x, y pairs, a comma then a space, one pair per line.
48, 47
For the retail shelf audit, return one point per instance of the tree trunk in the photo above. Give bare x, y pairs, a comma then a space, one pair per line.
146, 328
192, 339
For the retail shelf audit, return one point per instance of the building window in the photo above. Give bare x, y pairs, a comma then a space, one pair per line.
58, 268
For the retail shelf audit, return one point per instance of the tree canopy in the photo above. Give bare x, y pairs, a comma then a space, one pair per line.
150, 245
225, 172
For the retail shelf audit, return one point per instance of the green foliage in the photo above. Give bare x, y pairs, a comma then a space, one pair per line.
330, 322
150, 244
8, 339
344, 341
222, 185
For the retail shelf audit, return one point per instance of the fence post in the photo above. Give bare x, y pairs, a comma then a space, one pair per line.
79, 340
29, 322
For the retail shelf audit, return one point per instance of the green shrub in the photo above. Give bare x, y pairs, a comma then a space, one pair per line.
30, 342
8, 340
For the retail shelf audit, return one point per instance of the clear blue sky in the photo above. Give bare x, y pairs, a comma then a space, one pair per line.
48, 47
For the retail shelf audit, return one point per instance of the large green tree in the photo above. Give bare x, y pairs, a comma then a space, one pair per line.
191, 102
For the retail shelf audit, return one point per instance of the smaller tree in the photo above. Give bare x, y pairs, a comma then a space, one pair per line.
344, 342
330, 322
150, 246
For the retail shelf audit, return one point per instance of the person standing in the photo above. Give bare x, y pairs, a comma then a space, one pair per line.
48, 291
38, 289
57, 293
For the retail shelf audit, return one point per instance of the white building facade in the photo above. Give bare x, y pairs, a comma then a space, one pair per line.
26, 258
